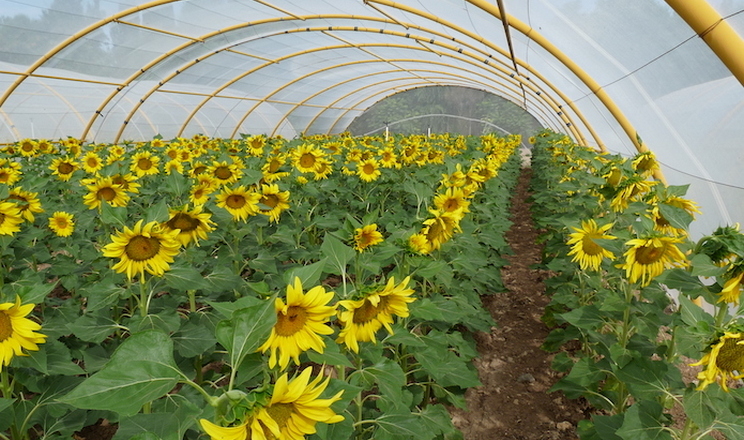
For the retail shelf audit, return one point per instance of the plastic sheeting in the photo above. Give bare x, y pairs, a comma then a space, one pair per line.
106, 71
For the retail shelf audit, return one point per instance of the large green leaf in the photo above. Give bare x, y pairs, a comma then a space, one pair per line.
141, 370
246, 330
644, 421
338, 253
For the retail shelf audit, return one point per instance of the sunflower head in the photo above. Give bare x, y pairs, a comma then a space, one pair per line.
366, 237
723, 360
17, 332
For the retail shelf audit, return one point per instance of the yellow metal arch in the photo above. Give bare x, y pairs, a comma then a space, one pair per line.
722, 39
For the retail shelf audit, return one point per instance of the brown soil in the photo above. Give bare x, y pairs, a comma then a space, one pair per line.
514, 403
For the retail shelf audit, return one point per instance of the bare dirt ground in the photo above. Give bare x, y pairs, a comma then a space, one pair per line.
514, 402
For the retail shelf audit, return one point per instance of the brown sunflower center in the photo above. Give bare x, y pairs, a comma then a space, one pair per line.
281, 413
366, 312
61, 222
364, 239
106, 193
730, 358
4, 176
235, 201
451, 204
27, 146
649, 254
270, 200
141, 248
590, 247
222, 172
92, 162
199, 169
65, 168
6, 326
291, 322
184, 222
274, 165
368, 168
307, 160
2, 218
144, 164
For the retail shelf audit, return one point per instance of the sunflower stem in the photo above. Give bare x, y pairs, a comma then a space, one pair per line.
721, 314
144, 304
5, 388
192, 300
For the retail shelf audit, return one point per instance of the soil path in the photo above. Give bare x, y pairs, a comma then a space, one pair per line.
514, 403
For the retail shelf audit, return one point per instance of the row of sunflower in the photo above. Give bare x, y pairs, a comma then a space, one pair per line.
266, 288
625, 297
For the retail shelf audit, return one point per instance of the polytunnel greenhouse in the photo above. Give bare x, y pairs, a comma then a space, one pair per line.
213, 224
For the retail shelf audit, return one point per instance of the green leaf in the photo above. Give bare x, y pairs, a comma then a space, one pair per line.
93, 327
643, 421
157, 212
337, 253
704, 267
226, 309
677, 217
331, 356
141, 370
246, 330
222, 279
309, 275
103, 294
195, 337
115, 216
184, 278
176, 184
389, 377
402, 426
601, 427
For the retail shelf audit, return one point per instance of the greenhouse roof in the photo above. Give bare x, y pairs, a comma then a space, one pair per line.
618, 76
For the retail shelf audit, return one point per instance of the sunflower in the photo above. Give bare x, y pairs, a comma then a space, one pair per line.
299, 323
198, 168
63, 167
647, 258
368, 170
28, 203
323, 169
306, 156
9, 175
453, 200
585, 249
91, 162
645, 163
62, 223
272, 166
273, 201
143, 248
28, 147
630, 190
199, 193
10, 218
144, 163
239, 202
192, 225
388, 158
16, 331
224, 173
362, 318
256, 145
366, 236
127, 182
439, 229
115, 153
295, 407
104, 189
724, 361
418, 244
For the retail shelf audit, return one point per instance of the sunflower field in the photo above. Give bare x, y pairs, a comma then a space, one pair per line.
322, 287
626, 294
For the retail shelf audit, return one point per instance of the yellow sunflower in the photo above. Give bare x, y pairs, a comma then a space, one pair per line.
9, 175
127, 182
239, 202
305, 157
646, 258
295, 407
28, 147
362, 318
273, 202
28, 203
366, 236
91, 162
272, 166
225, 173
103, 189
585, 249
199, 193
453, 200
17, 332
62, 223
732, 288
299, 323
323, 169
418, 244
143, 248
10, 218
368, 170
192, 225
144, 163
63, 167
256, 145
388, 158
173, 165
724, 361
645, 163
439, 229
